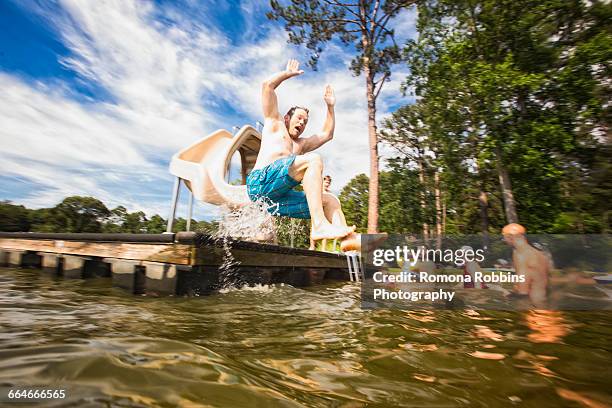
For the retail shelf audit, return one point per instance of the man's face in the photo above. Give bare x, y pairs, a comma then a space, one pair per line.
509, 239
297, 123
326, 184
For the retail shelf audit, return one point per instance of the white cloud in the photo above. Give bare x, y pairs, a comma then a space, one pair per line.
166, 83
404, 25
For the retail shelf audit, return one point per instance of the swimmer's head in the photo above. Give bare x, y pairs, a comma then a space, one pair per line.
513, 232
514, 229
296, 119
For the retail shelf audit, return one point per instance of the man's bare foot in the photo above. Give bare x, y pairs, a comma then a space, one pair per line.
329, 231
352, 242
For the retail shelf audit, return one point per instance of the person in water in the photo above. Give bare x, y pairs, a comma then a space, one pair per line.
529, 262
285, 160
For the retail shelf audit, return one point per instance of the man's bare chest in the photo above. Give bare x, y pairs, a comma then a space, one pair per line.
280, 140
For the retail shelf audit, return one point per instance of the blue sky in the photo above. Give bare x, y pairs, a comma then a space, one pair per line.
98, 95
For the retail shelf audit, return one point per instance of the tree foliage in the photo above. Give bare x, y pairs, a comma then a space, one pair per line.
399, 200
88, 214
513, 103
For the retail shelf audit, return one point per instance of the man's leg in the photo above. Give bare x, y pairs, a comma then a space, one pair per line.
312, 241
308, 169
333, 214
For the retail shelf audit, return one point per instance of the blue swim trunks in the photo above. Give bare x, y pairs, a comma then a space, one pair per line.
275, 185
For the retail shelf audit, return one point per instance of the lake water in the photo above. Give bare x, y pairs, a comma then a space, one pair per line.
289, 347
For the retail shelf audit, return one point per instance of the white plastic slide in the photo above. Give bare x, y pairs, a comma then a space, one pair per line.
204, 166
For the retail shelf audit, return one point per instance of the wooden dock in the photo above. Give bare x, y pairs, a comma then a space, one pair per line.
182, 264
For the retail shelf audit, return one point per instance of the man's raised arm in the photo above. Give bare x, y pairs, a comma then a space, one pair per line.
314, 142
269, 100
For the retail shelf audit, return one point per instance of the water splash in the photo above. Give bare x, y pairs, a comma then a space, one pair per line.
252, 222
229, 275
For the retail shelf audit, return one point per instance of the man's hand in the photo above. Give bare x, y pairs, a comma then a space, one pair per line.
269, 100
308, 144
293, 68
329, 97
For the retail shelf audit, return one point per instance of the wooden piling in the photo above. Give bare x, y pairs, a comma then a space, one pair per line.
52, 263
73, 266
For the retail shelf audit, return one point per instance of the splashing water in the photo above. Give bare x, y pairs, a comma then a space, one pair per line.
229, 275
252, 222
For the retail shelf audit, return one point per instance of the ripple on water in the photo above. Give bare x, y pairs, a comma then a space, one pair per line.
283, 346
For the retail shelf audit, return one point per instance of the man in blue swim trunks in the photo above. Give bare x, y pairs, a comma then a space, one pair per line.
286, 160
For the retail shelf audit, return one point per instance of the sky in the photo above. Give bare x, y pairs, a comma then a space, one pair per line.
96, 96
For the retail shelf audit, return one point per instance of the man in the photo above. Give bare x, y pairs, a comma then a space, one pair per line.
530, 263
326, 183
285, 160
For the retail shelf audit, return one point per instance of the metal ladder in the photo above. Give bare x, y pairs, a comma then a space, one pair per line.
355, 266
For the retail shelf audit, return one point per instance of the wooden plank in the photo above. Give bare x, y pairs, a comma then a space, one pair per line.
92, 236
181, 254
211, 256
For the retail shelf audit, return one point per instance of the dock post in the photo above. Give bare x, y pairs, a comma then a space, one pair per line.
14, 257
175, 197
51, 262
74, 266
124, 273
190, 211
160, 278
4, 255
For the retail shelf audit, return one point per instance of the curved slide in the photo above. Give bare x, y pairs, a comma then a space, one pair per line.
204, 166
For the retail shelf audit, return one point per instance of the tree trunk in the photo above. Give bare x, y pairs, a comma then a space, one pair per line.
506, 187
438, 210
443, 214
484, 217
373, 143
423, 203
